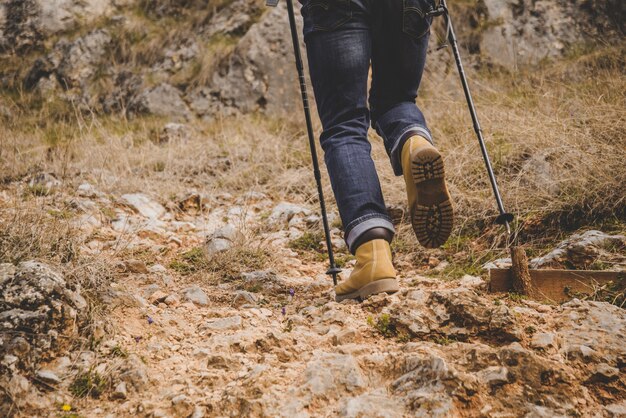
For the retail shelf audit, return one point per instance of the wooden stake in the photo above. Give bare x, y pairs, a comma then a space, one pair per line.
522, 283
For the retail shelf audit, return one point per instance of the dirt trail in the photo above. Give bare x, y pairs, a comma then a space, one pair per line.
191, 330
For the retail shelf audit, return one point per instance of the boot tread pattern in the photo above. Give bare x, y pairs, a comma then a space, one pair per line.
431, 221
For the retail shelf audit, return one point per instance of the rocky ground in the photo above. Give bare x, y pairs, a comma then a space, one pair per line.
175, 341
161, 256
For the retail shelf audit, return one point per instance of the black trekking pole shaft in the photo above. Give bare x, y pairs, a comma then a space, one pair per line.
504, 217
333, 270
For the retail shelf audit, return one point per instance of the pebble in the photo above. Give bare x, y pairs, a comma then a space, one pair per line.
48, 376
223, 324
543, 340
120, 391
196, 295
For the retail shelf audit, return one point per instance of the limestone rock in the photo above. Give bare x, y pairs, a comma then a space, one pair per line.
196, 295
258, 76
39, 318
143, 205
120, 391
329, 374
579, 250
223, 239
523, 33
375, 404
284, 212
161, 100
223, 324
73, 63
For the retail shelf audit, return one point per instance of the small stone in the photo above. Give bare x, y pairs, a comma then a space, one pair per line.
86, 190
218, 245
223, 324
43, 183
223, 239
543, 340
616, 410
284, 212
157, 269
143, 205
136, 266
471, 281
604, 373
494, 376
48, 377
198, 412
196, 295
120, 391
157, 297
243, 297
172, 300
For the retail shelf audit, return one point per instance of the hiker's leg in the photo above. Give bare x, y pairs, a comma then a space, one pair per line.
338, 41
400, 42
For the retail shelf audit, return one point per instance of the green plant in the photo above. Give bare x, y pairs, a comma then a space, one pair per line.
384, 325
443, 340
118, 351
309, 241
88, 383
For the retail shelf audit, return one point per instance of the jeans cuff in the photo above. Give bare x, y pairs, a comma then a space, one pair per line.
396, 151
363, 225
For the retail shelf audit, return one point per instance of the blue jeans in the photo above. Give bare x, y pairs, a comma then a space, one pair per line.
342, 37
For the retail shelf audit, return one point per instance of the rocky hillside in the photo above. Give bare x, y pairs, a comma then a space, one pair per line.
187, 59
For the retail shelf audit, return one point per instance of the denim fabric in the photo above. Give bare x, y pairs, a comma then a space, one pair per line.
342, 38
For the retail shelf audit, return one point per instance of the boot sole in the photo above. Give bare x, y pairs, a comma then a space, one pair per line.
379, 286
432, 216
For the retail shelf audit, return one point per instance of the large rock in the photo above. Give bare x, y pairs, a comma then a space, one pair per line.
26, 24
259, 75
525, 32
40, 314
161, 100
579, 250
235, 19
73, 63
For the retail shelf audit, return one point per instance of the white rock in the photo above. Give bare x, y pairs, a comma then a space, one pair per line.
327, 374
48, 376
87, 190
284, 212
543, 340
223, 324
143, 205
120, 391
196, 295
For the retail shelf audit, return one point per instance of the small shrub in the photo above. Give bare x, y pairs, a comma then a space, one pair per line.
309, 241
89, 383
383, 325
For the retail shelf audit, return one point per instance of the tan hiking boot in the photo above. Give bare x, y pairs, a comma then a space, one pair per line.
429, 199
372, 274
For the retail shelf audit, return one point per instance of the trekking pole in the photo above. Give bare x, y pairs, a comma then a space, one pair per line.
504, 218
522, 282
333, 270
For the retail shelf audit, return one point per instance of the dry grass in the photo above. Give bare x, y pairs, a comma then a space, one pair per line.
557, 136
